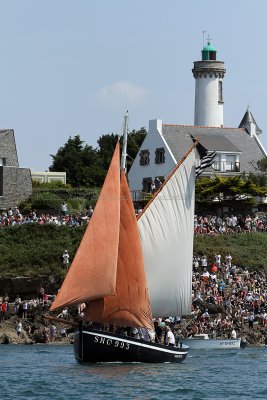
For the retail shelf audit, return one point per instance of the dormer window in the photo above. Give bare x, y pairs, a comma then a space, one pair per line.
144, 157
226, 163
160, 156
231, 163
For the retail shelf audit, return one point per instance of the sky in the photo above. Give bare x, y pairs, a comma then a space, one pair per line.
72, 67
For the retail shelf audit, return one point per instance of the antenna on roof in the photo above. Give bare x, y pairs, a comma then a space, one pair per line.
209, 39
203, 34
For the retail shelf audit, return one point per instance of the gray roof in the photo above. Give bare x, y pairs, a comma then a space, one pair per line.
247, 120
237, 140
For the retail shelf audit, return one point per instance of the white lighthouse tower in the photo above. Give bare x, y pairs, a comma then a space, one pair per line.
209, 74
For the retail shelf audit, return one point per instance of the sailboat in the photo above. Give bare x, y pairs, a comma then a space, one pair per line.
113, 273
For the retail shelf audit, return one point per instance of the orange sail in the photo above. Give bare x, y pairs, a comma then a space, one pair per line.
92, 274
130, 306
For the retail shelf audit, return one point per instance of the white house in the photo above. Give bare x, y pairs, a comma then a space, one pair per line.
165, 144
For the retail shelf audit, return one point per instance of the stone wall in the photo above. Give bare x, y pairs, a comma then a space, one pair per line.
8, 149
16, 186
15, 182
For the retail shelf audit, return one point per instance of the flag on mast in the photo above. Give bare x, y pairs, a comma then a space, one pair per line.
206, 157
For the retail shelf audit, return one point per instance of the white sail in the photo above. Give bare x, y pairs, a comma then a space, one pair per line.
166, 229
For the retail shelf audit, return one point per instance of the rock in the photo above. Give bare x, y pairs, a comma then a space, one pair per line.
27, 287
5, 339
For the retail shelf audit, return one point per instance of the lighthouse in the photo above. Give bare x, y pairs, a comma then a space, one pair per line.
209, 74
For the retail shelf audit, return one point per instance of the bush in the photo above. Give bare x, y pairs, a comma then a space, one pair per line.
247, 249
49, 200
33, 250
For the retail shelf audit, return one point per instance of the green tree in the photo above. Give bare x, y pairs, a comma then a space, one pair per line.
262, 164
86, 166
108, 142
82, 164
106, 146
228, 188
135, 140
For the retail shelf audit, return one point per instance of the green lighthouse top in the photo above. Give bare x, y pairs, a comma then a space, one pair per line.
208, 53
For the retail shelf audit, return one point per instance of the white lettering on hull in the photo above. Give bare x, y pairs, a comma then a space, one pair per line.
227, 343
111, 342
116, 342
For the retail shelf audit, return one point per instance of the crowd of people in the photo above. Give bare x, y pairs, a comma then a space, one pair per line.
212, 224
226, 302
14, 217
29, 324
226, 299
218, 224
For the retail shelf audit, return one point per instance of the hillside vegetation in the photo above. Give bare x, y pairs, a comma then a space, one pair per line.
32, 250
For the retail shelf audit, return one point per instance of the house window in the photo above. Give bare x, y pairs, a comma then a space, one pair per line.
231, 164
144, 157
147, 185
2, 162
220, 92
1, 182
158, 181
160, 156
217, 163
212, 55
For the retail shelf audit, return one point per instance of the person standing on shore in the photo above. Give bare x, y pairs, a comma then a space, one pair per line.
17, 303
18, 329
53, 332
64, 208
251, 318
41, 293
66, 259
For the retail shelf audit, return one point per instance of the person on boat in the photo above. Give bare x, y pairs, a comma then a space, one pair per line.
158, 332
81, 308
169, 338
142, 333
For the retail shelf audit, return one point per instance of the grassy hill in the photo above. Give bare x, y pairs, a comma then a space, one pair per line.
32, 250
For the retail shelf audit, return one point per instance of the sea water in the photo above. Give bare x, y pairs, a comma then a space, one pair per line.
50, 372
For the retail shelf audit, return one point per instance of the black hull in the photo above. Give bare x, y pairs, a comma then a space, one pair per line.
93, 346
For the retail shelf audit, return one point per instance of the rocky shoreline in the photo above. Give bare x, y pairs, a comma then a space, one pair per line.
8, 333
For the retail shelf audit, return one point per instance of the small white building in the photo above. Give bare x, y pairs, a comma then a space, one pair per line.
46, 177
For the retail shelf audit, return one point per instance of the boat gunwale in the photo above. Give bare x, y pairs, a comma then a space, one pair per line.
131, 340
